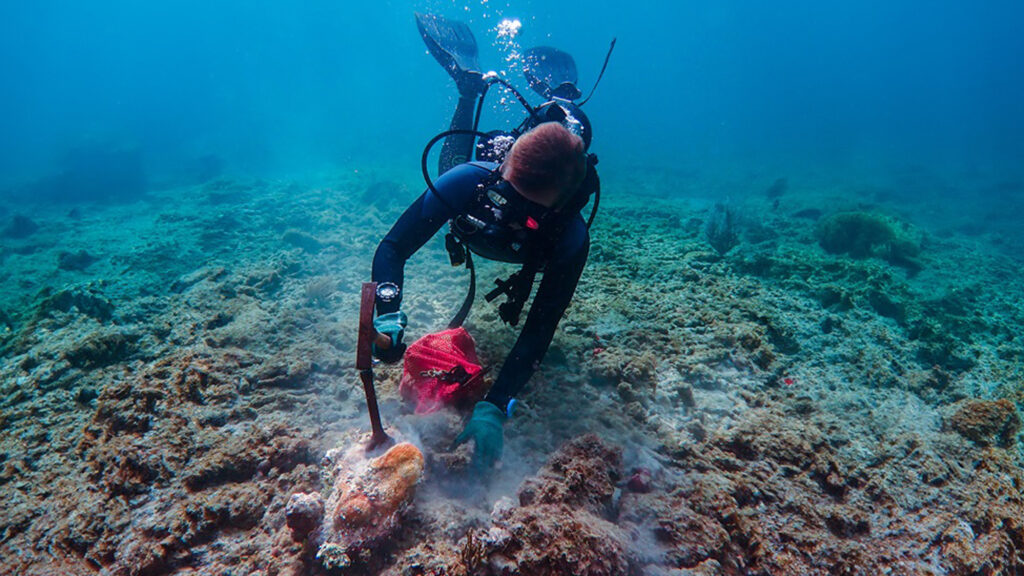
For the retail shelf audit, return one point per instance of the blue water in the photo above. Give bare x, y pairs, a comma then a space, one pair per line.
288, 88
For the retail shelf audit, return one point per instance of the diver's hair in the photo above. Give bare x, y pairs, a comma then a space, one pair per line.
548, 157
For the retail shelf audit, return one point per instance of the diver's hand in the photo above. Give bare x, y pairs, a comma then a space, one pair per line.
485, 428
391, 355
392, 326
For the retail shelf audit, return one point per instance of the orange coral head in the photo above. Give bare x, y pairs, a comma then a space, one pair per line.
394, 476
386, 484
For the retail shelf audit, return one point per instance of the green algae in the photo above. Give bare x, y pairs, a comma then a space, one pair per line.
868, 234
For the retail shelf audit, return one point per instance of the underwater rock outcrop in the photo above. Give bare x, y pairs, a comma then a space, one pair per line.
365, 505
563, 524
75, 261
987, 422
19, 227
302, 240
85, 300
865, 234
303, 513
100, 349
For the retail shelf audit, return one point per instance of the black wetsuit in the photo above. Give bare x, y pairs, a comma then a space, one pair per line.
564, 257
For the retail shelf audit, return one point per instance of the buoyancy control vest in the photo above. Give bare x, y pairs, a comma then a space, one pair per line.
500, 224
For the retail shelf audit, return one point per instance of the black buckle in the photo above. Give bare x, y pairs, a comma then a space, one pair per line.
456, 250
513, 288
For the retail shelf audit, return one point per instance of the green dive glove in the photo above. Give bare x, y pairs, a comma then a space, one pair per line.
393, 325
485, 427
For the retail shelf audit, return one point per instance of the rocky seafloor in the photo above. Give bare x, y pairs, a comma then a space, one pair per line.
813, 379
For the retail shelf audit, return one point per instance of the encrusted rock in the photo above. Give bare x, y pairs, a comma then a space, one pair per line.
690, 537
100, 349
75, 261
366, 503
19, 227
82, 300
302, 240
987, 422
583, 473
304, 512
555, 539
964, 552
640, 481
560, 526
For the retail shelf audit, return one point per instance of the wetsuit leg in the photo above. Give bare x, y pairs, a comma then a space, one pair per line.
459, 148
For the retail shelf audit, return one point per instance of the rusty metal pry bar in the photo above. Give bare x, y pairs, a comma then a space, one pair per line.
364, 364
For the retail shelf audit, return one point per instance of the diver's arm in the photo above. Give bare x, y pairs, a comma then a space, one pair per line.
556, 290
409, 234
419, 223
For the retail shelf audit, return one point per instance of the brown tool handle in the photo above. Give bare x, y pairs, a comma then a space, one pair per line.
378, 437
364, 362
367, 335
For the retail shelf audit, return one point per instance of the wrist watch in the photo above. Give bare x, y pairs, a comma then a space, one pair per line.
387, 291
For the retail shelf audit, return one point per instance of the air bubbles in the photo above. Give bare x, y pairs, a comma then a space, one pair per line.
508, 28
506, 31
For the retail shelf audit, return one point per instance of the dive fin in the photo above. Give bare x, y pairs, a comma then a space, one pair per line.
452, 44
551, 73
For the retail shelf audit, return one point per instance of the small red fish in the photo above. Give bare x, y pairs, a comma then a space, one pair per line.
788, 381
598, 351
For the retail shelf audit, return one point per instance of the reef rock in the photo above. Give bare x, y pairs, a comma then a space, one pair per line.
19, 227
987, 422
304, 513
364, 507
75, 261
563, 524
100, 349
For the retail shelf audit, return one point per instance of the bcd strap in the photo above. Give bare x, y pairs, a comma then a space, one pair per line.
517, 288
459, 254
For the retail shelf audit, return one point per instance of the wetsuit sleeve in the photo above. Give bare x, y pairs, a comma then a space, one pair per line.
419, 223
557, 287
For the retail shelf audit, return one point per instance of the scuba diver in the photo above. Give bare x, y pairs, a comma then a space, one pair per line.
520, 201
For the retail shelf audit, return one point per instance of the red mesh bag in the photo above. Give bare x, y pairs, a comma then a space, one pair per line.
441, 369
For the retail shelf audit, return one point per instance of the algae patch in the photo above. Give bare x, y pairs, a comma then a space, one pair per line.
867, 234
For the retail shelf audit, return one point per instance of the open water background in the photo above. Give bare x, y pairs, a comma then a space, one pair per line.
276, 88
